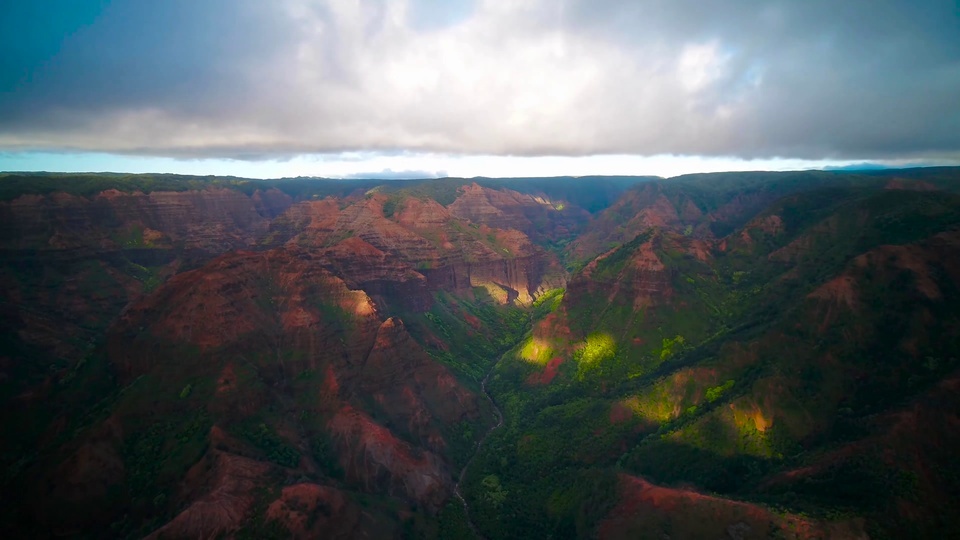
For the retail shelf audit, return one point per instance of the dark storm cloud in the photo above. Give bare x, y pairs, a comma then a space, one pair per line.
177, 55
859, 79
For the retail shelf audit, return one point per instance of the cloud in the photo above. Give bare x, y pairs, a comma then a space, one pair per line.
862, 79
390, 174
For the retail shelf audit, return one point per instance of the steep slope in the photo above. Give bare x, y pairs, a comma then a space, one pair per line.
265, 356
786, 365
714, 205
534, 215
738, 355
72, 260
213, 390
647, 510
70, 263
447, 252
76, 248
76, 259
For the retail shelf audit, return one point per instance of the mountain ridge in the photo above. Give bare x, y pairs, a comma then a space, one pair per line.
702, 339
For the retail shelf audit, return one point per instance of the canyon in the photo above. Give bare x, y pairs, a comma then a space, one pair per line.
739, 355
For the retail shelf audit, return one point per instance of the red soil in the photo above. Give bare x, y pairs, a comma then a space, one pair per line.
648, 510
910, 185
230, 481
841, 290
546, 376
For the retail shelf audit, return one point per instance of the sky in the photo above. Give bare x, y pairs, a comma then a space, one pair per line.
428, 88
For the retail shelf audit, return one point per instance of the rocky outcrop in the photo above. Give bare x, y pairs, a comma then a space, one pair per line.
630, 273
212, 220
282, 316
535, 216
639, 209
231, 483
507, 280
390, 281
422, 214
421, 248
314, 511
377, 460
493, 208
416, 395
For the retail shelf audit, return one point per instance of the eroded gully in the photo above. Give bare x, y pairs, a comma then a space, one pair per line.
476, 450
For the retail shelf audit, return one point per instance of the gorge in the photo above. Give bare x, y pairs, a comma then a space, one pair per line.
734, 355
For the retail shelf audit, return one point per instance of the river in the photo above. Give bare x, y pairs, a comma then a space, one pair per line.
463, 471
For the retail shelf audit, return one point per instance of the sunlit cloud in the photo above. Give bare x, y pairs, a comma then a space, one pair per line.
454, 81
419, 165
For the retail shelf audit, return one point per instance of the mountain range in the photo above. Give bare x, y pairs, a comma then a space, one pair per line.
725, 355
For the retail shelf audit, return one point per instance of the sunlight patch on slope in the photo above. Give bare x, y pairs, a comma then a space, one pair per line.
597, 347
594, 351
655, 408
536, 351
752, 426
497, 292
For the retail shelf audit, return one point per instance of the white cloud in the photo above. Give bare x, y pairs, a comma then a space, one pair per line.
413, 165
519, 77
700, 65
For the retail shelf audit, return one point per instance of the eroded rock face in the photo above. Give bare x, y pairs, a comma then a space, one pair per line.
423, 247
534, 215
231, 482
389, 280
211, 220
280, 291
504, 209
375, 458
313, 511
71, 264
424, 214
643, 279
508, 280
420, 403
636, 211
284, 292
678, 209
278, 315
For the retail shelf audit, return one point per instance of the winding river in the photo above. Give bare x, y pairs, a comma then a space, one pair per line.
463, 471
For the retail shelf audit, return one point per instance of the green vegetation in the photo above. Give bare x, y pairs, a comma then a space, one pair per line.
610, 266
596, 349
716, 392
473, 347
13, 185
274, 448
535, 351
732, 388
322, 450
495, 495
804, 360
670, 346
160, 454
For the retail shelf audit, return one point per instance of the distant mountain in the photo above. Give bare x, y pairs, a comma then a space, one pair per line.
865, 166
